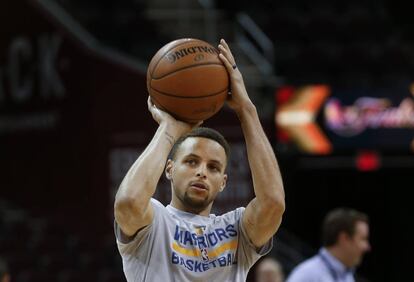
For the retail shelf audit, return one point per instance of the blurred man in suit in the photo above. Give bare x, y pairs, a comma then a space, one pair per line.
345, 236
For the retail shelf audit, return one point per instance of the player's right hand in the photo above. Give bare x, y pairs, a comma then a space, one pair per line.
161, 117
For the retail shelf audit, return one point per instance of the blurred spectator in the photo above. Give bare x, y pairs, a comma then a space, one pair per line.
4, 271
345, 240
269, 270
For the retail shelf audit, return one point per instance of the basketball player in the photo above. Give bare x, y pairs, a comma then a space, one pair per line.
183, 241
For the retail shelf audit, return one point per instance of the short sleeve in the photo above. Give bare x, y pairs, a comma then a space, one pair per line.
131, 243
246, 248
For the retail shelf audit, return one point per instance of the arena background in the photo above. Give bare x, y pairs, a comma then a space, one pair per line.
73, 118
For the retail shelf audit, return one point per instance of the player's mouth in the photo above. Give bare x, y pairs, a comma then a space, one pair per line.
198, 185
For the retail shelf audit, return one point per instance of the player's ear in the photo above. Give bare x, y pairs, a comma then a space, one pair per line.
223, 183
168, 169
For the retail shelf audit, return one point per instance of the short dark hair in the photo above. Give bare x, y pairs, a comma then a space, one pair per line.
3, 268
340, 220
203, 132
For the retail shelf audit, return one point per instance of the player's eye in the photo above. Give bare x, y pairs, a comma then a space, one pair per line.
214, 168
191, 161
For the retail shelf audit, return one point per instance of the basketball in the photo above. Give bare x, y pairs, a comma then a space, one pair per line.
187, 79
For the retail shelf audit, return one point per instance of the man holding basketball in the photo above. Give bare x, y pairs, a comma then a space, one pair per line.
183, 241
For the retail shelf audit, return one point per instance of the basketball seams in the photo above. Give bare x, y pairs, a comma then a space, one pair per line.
161, 57
187, 97
187, 67
188, 77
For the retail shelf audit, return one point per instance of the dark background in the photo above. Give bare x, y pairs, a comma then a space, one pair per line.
80, 120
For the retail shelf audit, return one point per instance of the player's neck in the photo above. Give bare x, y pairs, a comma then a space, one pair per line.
179, 205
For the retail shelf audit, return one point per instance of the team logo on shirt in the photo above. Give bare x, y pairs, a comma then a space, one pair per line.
200, 251
199, 230
204, 255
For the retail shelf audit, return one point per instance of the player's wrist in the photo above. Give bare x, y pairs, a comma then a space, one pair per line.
173, 131
245, 108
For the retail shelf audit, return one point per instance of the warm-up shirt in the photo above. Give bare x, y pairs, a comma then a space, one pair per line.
322, 267
181, 246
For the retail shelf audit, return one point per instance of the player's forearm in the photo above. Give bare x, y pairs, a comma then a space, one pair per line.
140, 182
267, 180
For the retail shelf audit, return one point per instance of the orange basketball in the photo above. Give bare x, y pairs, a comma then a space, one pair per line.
187, 79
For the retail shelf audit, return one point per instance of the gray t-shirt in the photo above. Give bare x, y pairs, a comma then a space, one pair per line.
180, 246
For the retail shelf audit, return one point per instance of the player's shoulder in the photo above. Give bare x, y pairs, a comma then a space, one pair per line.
159, 208
233, 215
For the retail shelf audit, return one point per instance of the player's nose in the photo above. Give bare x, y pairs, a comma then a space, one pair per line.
201, 171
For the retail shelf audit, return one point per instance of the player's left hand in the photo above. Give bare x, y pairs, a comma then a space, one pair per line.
238, 98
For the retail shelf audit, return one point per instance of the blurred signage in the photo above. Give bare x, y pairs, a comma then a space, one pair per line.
62, 95
29, 79
28, 64
367, 113
321, 120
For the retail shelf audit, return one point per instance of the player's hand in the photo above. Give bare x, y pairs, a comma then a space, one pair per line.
238, 99
161, 117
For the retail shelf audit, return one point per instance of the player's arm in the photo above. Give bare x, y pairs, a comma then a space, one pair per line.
263, 214
132, 202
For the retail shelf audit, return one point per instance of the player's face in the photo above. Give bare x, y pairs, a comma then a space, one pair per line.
197, 173
359, 243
